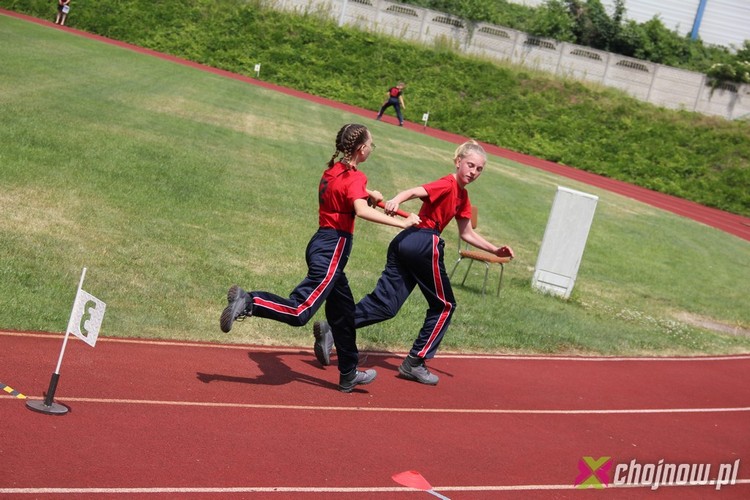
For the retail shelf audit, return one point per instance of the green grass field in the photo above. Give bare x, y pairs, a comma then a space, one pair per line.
170, 184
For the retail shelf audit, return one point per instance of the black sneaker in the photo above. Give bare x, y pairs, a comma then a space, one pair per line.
237, 308
420, 373
323, 342
349, 381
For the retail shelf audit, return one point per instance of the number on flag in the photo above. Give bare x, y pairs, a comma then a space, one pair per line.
86, 318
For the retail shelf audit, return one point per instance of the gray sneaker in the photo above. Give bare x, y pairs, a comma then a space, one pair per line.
420, 373
237, 308
323, 342
349, 381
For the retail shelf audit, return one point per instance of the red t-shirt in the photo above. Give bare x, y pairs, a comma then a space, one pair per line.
445, 200
339, 187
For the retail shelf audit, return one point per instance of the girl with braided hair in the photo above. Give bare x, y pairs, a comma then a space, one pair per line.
415, 259
342, 195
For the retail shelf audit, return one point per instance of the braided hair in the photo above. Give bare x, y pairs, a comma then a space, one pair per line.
348, 140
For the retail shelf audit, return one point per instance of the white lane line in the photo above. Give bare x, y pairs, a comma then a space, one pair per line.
497, 411
312, 489
515, 357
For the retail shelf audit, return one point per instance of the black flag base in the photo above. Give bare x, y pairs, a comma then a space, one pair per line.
49, 409
48, 406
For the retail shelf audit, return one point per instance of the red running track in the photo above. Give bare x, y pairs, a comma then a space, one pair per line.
731, 223
234, 421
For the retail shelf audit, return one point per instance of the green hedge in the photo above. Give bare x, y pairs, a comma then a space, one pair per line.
704, 159
589, 23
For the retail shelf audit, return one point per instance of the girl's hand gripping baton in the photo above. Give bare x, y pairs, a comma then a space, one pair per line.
400, 213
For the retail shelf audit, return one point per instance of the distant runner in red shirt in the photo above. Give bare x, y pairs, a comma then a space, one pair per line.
415, 258
342, 195
394, 98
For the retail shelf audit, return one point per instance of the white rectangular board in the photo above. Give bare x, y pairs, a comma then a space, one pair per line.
564, 242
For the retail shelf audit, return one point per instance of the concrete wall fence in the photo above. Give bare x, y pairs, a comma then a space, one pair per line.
657, 84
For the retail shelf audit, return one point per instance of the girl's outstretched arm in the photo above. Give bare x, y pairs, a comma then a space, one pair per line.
375, 197
366, 212
391, 206
467, 233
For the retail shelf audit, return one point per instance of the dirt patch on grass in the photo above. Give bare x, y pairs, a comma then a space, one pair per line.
710, 324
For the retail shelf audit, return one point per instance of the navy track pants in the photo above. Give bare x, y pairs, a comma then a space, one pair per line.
415, 258
393, 101
327, 255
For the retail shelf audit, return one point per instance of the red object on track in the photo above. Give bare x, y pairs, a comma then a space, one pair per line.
412, 479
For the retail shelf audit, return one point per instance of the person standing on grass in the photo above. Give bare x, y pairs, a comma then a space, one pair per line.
342, 195
63, 7
394, 98
415, 258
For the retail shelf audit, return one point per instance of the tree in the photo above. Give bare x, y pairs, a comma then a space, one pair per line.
553, 20
592, 25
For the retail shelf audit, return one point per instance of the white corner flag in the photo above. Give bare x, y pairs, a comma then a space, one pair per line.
86, 317
85, 322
